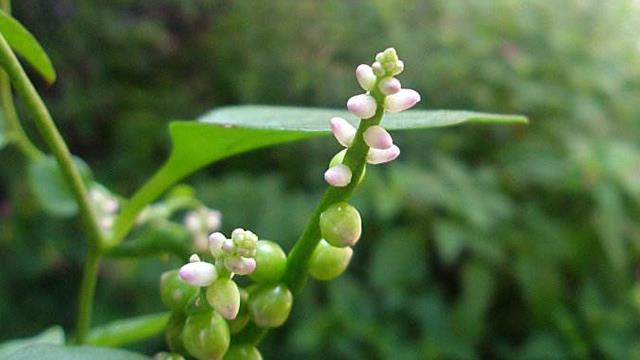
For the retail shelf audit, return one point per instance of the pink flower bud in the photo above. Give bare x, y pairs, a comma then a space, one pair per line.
215, 243
363, 106
402, 100
192, 222
342, 130
214, 218
365, 76
389, 85
377, 137
198, 273
377, 156
377, 68
338, 175
240, 265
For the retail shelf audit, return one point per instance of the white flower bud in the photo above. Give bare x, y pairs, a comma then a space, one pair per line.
377, 156
237, 233
228, 246
389, 55
363, 106
338, 175
342, 130
377, 137
240, 265
111, 206
192, 222
194, 258
214, 218
198, 273
365, 76
398, 68
224, 296
389, 85
379, 56
402, 100
215, 243
378, 69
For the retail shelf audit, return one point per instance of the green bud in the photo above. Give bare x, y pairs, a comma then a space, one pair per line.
206, 336
174, 292
270, 306
341, 225
167, 356
271, 262
339, 158
223, 295
243, 352
173, 331
389, 55
328, 262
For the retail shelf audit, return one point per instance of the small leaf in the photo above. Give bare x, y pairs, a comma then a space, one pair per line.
53, 335
234, 130
58, 352
50, 188
22, 42
128, 331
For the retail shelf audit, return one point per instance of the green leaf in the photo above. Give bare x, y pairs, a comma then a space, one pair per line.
53, 335
23, 43
233, 130
57, 352
127, 331
50, 188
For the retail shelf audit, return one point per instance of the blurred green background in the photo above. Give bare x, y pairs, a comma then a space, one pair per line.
496, 242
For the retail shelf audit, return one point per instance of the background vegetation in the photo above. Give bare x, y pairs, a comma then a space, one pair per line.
481, 242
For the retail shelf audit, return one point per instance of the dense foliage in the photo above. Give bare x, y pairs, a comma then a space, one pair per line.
478, 243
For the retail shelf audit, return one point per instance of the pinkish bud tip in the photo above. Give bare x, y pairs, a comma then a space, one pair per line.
365, 76
377, 156
389, 85
377, 137
338, 175
342, 130
363, 106
402, 100
198, 273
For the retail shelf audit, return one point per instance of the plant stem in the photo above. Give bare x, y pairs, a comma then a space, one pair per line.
15, 132
51, 135
355, 159
85, 296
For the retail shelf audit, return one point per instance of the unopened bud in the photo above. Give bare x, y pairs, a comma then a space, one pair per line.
240, 265
338, 175
328, 262
224, 296
363, 106
342, 130
215, 243
378, 69
377, 156
365, 76
377, 137
198, 273
402, 100
389, 85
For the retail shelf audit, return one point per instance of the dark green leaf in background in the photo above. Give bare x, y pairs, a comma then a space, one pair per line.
54, 336
57, 352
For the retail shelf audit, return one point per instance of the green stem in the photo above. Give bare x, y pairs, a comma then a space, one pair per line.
15, 132
355, 159
51, 135
86, 295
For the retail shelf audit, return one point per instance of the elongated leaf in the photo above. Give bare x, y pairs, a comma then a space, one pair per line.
23, 43
50, 188
128, 331
54, 335
57, 352
233, 130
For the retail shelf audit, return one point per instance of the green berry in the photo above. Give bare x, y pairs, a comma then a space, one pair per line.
206, 336
271, 262
167, 356
341, 225
174, 292
339, 158
243, 352
270, 306
223, 295
328, 262
173, 331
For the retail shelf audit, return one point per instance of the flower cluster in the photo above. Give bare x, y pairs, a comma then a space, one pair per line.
201, 222
105, 205
381, 89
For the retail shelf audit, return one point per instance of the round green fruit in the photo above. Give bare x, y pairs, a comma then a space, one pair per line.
174, 292
270, 306
206, 336
328, 262
271, 262
341, 225
243, 352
